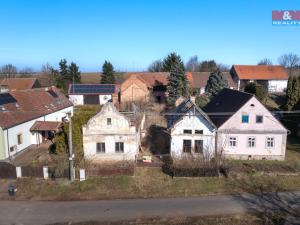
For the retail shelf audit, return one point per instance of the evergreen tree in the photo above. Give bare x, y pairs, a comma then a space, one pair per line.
172, 60
293, 92
258, 90
107, 73
216, 82
64, 76
74, 73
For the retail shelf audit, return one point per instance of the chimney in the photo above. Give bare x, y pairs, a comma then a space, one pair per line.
193, 99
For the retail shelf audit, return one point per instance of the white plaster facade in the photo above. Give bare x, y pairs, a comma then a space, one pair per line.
192, 126
79, 99
109, 127
269, 130
28, 138
277, 85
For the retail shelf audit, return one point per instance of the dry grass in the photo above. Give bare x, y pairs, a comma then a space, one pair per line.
148, 183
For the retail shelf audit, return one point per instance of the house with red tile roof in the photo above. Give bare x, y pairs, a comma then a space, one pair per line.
19, 83
29, 117
142, 86
198, 80
274, 78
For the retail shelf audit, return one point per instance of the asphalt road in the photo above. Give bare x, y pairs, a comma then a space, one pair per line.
49, 212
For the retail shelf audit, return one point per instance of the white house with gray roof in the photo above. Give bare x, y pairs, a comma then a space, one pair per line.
192, 132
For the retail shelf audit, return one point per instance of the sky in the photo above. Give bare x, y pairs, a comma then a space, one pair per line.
133, 33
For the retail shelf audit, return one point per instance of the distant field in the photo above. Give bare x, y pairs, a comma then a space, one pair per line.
94, 78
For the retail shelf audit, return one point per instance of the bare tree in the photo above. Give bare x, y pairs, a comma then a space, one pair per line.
8, 70
223, 67
193, 64
46, 69
265, 61
290, 61
26, 72
155, 66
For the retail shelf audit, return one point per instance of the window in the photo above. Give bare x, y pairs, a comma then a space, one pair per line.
119, 147
11, 149
251, 142
187, 146
20, 139
269, 142
198, 131
108, 121
259, 119
199, 146
232, 142
245, 118
187, 131
100, 147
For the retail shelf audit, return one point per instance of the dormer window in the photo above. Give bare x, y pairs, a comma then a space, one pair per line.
108, 121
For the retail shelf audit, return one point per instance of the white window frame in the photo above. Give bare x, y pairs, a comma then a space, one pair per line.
101, 150
236, 141
272, 141
248, 142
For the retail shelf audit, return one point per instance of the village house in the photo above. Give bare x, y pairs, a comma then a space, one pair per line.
18, 84
93, 94
191, 130
30, 117
197, 81
112, 135
141, 87
246, 129
273, 78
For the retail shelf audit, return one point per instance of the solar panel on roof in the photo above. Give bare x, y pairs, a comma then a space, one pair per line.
92, 89
6, 98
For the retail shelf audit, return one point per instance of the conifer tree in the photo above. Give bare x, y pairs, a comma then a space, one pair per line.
170, 61
216, 82
107, 73
74, 73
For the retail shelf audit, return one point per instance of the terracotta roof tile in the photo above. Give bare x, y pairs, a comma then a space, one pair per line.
199, 79
17, 107
45, 126
19, 83
261, 72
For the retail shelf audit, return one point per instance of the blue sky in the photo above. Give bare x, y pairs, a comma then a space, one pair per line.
131, 33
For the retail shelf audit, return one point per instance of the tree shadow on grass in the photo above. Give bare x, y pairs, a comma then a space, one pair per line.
273, 205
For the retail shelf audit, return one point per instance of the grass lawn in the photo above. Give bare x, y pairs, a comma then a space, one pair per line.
245, 219
153, 183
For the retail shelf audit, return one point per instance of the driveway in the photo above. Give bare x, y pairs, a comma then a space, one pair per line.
31, 212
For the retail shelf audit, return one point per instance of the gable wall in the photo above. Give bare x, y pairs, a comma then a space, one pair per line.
134, 89
242, 131
192, 123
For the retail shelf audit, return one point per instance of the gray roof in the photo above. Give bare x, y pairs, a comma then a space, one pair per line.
175, 114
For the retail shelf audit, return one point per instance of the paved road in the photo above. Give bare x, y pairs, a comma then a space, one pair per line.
44, 212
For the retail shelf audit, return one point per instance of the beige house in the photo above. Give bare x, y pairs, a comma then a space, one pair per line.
112, 135
140, 87
246, 129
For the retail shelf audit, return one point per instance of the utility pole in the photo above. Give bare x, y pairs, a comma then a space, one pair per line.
71, 166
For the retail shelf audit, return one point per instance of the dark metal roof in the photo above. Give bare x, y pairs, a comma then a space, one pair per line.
92, 88
182, 109
226, 101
